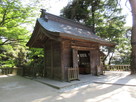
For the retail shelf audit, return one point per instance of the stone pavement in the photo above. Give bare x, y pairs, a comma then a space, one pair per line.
112, 87
118, 78
110, 77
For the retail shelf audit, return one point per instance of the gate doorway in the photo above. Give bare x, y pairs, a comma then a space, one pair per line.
84, 62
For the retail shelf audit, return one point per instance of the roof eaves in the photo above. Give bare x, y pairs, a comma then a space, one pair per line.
102, 42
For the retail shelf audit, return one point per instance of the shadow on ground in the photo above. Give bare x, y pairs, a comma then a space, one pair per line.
19, 89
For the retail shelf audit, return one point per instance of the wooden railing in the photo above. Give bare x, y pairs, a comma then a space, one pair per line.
73, 74
118, 67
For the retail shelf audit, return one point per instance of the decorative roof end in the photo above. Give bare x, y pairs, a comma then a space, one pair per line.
44, 15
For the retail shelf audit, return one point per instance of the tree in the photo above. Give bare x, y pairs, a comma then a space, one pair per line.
12, 16
13, 35
133, 37
104, 16
78, 11
123, 49
17, 18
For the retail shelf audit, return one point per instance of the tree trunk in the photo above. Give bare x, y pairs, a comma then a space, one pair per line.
133, 37
93, 18
111, 58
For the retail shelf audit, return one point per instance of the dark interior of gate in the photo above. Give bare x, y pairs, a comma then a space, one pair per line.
84, 62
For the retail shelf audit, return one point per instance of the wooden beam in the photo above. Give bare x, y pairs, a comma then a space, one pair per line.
50, 34
77, 40
34, 38
82, 48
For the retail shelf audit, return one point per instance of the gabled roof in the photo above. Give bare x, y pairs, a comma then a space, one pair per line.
55, 26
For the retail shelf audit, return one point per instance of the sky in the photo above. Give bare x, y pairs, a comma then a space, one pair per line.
127, 11
57, 5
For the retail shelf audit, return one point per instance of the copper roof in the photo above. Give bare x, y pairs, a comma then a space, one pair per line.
59, 26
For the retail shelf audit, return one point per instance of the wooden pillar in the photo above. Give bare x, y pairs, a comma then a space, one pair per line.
90, 62
93, 61
51, 59
44, 70
75, 58
62, 62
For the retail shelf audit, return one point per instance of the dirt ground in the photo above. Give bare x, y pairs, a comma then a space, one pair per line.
19, 89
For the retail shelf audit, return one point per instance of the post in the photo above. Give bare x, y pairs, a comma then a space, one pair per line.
75, 58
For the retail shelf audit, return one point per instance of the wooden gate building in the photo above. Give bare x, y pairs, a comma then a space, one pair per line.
67, 45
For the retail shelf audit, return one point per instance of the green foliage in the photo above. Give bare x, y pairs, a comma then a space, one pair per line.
12, 56
105, 16
77, 10
13, 35
16, 18
12, 16
35, 57
123, 49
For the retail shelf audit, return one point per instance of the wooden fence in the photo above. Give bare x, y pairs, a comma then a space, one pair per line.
118, 68
15, 71
25, 71
73, 74
34, 72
